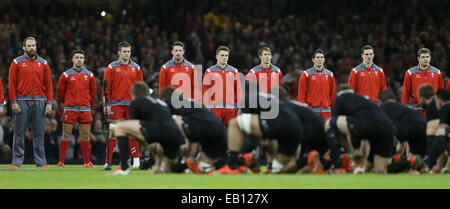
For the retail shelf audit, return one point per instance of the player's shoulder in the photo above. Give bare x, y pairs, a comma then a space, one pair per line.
114, 64
275, 68
434, 70
187, 63
413, 70
135, 65
328, 72
232, 69
21, 58
84, 70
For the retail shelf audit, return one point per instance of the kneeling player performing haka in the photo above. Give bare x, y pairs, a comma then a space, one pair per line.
410, 131
440, 143
262, 121
355, 116
151, 122
201, 127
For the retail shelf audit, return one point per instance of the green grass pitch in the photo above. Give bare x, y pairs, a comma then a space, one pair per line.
77, 177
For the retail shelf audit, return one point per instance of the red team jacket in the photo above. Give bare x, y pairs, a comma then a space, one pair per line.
414, 77
266, 74
184, 70
317, 89
120, 79
30, 78
367, 81
76, 88
2, 98
230, 87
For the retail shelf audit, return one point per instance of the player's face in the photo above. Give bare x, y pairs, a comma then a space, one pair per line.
178, 53
266, 57
367, 56
30, 48
125, 53
424, 59
319, 60
222, 57
78, 60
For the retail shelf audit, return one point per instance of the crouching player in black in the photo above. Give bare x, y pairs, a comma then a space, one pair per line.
263, 117
410, 130
356, 116
151, 122
440, 142
201, 127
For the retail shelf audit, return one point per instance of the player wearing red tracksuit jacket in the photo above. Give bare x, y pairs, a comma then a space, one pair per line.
179, 73
120, 76
418, 75
367, 78
31, 95
266, 74
317, 87
76, 88
222, 87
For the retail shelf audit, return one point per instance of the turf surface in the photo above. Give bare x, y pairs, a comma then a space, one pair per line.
77, 177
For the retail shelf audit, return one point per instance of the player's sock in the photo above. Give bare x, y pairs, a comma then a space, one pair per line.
86, 151
63, 146
134, 148
399, 166
123, 151
232, 159
111, 145
438, 147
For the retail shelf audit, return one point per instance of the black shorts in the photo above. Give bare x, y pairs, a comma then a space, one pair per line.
164, 132
286, 128
211, 135
379, 132
413, 129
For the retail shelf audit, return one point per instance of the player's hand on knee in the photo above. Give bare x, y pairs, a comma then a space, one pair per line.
48, 109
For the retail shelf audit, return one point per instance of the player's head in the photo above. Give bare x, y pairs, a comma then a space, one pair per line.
442, 97
29, 46
386, 95
167, 92
425, 94
344, 88
367, 54
283, 92
178, 51
124, 51
140, 89
265, 55
318, 58
78, 58
222, 55
424, 57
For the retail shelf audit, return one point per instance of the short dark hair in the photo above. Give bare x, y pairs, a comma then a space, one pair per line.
264, 48
426, 91
318, 51
222, 48
423, 51
123, 44
76, 51
385, 95
343, 87
178, 43
366, 47
443, 94
166, 93
140, 89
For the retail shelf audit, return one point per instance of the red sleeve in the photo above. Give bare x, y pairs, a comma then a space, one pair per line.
205, 86
406, 88
383, 81
441, 81
333, 90
280, 78
352, 80
448, 85
251, 76
48, 83
195, 86
12, 82
162, 78
238, 89
107, 77
302, 87
2, 97
140, 76
61, 88
93, 87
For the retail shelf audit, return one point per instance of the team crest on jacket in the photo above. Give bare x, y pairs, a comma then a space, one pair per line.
39, 64
85, 77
